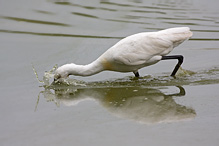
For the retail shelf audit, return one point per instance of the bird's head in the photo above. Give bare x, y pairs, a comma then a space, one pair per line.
61, 72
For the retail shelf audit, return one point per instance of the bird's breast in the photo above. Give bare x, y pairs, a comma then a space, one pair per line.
106, 64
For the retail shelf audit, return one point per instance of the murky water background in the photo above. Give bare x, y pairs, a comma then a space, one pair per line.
108, 108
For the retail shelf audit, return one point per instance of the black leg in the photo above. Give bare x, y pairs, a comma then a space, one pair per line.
136, 74
180, 61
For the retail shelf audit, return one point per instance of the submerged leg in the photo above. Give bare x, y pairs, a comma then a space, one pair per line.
136, 74
180, 61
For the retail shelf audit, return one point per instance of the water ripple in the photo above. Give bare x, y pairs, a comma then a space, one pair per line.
115, 18
85, 7
34, 21
89, 36
58, 34
84, 15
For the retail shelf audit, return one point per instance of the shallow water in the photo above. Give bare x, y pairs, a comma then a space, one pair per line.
108, 108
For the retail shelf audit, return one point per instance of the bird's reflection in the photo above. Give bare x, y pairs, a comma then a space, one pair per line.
144, 105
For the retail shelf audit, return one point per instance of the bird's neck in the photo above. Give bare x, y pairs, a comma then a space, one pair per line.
85, 70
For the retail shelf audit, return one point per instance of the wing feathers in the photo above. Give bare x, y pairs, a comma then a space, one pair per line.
138, 49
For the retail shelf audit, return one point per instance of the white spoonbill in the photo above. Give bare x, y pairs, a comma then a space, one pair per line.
132, 53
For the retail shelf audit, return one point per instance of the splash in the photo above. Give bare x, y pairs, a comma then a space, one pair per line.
35, 72
49, 76
183, 77
184, 72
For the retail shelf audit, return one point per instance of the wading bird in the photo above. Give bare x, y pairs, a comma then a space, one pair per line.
133, 53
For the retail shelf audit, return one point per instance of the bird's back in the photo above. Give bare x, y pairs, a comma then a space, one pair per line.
138, 49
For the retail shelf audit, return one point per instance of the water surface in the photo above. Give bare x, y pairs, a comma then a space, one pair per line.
108, 108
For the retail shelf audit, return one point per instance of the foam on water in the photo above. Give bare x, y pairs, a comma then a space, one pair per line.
183, 77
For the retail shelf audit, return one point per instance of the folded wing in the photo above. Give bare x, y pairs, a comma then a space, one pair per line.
141, 48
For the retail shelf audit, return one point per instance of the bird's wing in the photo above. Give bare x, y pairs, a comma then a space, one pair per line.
141, 48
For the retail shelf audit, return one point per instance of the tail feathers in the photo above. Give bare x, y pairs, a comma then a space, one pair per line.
177, 35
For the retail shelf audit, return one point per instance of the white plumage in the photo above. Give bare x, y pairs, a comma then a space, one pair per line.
132, 53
